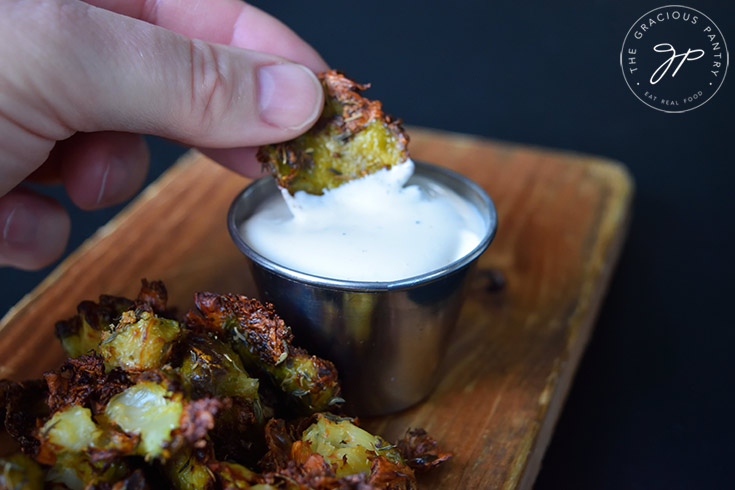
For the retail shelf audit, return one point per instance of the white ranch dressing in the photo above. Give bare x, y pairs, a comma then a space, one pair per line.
369, 229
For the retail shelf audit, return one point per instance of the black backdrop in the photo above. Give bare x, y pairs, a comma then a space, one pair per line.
651, 406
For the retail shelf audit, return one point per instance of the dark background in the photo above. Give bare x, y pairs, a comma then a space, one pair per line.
652, 403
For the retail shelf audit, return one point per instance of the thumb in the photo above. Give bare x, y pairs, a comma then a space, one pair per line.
104, 71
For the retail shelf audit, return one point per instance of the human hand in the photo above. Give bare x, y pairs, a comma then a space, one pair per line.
81, 81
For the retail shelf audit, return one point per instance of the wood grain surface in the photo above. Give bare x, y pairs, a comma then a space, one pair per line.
562, 219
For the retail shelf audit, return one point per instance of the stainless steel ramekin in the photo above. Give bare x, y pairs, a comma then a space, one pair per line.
387, 339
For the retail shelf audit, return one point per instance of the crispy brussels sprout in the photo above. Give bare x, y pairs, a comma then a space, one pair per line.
71, 429
263, 342
19, 472
343, 444
82, 333
148, 409
77, 470
332, 453
212, 368
311, 381
68, 443
72, 435
152, 418
352, 138
156, 410
140, 341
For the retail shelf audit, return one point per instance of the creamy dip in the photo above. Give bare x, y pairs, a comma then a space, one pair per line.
370, 229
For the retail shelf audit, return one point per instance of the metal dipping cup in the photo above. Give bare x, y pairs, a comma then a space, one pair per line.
387, 339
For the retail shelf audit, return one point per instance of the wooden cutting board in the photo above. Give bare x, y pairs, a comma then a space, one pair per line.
562, 219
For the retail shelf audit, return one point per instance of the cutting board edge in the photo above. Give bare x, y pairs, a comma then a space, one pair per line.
617, 224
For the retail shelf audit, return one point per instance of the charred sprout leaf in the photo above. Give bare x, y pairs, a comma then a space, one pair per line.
5, 386
344, 445
25, 403
263, 342
135, 481
140, 341
315, 473
187, 470
420, 451
352, 138
279, 437
388, 474
197, 419
20, 472
153, 295
238, 433
83, 381
231, 476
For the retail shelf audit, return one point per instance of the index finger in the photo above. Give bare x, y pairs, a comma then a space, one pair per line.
221, 21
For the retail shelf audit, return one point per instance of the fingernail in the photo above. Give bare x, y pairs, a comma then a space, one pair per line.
20, 227
289, 95
113, 184
33, 229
